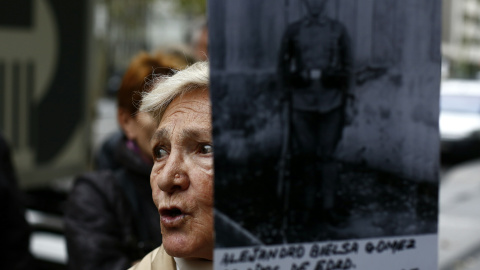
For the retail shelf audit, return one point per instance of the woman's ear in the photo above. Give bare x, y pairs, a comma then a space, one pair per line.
127, 123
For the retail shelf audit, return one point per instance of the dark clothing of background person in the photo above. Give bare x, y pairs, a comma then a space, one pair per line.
14, 229
314, 66
111, 220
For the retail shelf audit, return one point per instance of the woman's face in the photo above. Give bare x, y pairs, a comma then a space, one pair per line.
145, 126
182, 176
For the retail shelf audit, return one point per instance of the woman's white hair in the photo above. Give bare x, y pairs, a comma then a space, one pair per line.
166, 89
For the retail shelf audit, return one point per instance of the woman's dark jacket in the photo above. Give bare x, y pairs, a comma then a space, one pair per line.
111, 220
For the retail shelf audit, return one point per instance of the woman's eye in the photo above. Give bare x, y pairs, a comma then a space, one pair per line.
159, 153
206, 149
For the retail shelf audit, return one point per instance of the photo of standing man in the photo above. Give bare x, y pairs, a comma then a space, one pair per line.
315, 64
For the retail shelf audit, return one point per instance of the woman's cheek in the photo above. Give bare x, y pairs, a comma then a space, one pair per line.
205, 164
153, 182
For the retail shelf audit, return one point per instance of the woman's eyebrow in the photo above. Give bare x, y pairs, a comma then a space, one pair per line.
161, 134
196, 134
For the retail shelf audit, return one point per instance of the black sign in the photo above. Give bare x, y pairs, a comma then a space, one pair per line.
43, 80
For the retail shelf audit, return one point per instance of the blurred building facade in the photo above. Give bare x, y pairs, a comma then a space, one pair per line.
125, 27
461, 32
58, 58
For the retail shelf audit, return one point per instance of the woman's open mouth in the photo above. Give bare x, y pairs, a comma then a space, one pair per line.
171, 217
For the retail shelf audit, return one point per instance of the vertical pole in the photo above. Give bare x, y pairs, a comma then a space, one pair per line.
3, 89
16, 104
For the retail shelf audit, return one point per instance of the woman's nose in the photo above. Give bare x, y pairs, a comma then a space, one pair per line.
174, 176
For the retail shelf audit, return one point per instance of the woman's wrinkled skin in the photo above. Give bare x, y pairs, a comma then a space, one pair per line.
182, 176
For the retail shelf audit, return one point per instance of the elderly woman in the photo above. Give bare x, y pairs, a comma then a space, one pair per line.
182, 174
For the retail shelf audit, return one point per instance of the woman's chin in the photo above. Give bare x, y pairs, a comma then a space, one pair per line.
177, 246
181, 247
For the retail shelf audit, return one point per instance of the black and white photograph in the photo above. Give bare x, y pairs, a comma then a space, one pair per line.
325, 119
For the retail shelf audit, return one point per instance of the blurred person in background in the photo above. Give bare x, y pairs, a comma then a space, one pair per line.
139, 75
199, 43
14, 229
110, 220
